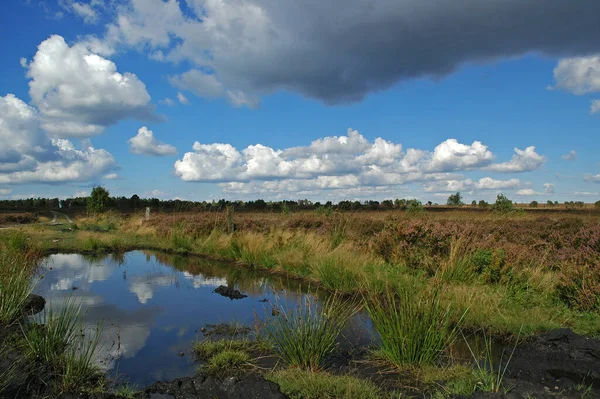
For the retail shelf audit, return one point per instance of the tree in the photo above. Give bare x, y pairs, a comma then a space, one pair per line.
533, 204
455, 200
98, 200
503, 204
473, 203
549, 203
597, 204
482, 204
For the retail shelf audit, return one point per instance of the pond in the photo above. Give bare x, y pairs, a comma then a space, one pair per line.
152, 306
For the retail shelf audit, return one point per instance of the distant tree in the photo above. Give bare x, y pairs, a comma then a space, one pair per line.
429, 203
597, 204
549, 203
455, 200
555, 203
415, 206
98, 200
503, 204
387, 204
482, 204
473, 203
533, 204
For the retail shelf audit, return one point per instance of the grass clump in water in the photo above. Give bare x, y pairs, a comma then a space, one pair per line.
300, 384
414, 327
227, 356
305, 335
61, 341
17, 259
227, 362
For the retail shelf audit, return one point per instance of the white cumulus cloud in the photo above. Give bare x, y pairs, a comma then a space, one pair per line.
522, 161
572, 155
28, 155
578, 75
145, 143
79, 93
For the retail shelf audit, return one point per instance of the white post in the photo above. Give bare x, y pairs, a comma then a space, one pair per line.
147, 213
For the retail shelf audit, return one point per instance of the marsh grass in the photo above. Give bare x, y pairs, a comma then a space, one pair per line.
60, 340
301, 384
489, 374
414, 326
226, 357
228, 362
15, 287
54, 332
80, 368
305, 335
336, 277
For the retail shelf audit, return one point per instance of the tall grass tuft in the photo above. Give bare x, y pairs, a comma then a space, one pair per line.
305, 335
414, 327
16, 263
80, 366
14, 290
60, 340
490, 376
54, 334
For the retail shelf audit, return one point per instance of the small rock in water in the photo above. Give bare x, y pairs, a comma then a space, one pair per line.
230, 293
264, 300
34, 304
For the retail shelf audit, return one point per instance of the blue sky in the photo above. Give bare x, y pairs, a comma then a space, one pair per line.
323, 100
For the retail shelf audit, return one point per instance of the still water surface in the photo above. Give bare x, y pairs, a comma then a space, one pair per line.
153, 305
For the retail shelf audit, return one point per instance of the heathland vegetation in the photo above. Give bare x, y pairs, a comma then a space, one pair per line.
424, 278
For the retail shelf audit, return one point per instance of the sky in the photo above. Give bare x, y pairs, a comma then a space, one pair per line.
326, 100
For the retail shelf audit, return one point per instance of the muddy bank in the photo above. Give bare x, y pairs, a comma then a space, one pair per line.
252, 386
558, 364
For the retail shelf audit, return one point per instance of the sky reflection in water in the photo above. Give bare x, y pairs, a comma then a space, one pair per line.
153, 305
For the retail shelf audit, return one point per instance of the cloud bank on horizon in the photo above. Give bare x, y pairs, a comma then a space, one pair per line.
241, 51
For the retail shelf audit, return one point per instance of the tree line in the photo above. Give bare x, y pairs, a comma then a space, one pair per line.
100, 200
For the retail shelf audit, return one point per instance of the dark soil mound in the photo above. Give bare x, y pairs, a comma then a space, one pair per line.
558, 364
230, 293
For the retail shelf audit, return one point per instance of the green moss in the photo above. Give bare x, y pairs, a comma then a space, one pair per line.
298, 384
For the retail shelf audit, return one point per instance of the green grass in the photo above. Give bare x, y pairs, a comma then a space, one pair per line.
54, 333
206, 349
226, 357
305, 335
413, 326
335, 277
60, 340
299, 384
227, 363
14, 289
126, 391
489, 375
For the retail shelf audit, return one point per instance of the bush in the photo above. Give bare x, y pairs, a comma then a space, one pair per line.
98, 200
503, 204
455, 200
490, 264
597, 204
533, 204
